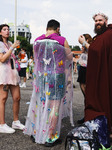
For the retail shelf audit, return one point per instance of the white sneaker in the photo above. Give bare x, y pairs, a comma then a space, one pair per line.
4, 128
19, 84
17, 125
23, 85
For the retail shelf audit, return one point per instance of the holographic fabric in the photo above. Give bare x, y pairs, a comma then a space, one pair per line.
52, 94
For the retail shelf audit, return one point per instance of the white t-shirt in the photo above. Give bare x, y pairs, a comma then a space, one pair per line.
24, 64
30, 62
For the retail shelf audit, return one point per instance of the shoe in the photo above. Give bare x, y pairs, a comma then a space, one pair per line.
33, 139
18, 125
6, 129
50, 143
19, 84
23, 85
81, 121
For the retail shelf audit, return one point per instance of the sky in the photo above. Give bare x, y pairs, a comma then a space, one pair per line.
75, 16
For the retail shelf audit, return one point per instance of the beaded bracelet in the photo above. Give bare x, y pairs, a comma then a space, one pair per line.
11, 48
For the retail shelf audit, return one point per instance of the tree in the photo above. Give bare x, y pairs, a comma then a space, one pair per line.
76, 48
24, 43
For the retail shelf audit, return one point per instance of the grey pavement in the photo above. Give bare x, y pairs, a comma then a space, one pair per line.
19, 141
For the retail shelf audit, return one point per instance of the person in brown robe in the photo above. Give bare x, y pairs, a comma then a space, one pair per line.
98, 96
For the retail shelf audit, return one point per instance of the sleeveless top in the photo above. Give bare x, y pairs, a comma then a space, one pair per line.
53, 36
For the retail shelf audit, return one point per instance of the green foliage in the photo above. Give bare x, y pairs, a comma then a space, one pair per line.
76, 48
24, 43
70, 46
29, 47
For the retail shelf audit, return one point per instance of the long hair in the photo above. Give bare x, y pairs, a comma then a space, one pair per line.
88, 37
1, 26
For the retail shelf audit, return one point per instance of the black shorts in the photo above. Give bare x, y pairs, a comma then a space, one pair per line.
82, 75
22, 72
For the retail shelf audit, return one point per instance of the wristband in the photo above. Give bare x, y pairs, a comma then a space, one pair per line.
11, 48
84, 43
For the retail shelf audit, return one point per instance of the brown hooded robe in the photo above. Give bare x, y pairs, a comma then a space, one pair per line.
99, 77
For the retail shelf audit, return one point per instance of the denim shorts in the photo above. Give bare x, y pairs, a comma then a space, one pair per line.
53, 84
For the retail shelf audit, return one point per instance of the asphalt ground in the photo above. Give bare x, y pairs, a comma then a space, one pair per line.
19, 141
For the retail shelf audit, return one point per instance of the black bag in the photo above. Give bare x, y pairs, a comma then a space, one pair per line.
12, 63
81, 138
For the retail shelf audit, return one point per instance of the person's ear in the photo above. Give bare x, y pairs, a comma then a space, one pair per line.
58, 30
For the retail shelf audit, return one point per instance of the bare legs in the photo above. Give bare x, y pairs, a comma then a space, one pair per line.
3, 98
83, 88
54, 105
15, 92
24, 79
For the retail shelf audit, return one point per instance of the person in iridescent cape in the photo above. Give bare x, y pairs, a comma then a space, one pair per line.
52, 87
98, 97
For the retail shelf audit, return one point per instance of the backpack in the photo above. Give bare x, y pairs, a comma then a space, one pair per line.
81, 138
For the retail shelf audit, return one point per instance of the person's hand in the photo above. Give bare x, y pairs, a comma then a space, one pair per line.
81, 39
16, 43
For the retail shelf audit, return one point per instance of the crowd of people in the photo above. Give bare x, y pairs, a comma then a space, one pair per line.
52, 94
26, 67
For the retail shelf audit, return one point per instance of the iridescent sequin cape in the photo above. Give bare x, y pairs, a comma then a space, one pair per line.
52, 94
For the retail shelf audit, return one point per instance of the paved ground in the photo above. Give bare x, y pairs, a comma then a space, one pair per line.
19, 141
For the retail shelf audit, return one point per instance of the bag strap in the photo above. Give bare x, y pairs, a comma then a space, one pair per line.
95, 137
70, 137
83, 125
78, 144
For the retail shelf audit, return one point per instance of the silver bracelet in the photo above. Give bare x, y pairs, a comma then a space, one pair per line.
11, 48
84, 43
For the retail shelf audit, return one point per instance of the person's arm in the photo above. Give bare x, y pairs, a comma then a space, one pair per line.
83, 42
66, 44
5, 56
23, 61
68, 52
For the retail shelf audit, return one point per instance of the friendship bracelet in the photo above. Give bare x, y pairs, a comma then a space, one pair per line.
84, 43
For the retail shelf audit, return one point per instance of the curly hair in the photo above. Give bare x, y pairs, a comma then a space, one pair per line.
101, 14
